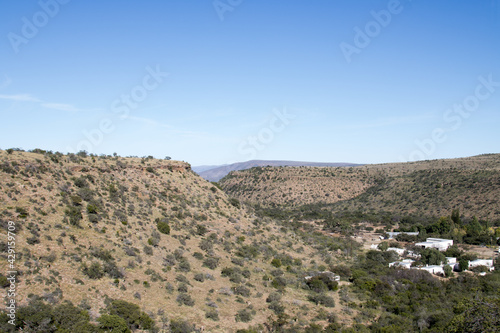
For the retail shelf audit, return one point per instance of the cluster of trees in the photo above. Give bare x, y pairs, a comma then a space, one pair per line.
468, 231
413, 300
38, 316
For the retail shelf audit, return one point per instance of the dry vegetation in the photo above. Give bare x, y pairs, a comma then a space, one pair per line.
430, 188
88, 231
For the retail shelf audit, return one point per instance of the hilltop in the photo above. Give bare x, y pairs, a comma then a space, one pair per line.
217, 172
429, 188
95, 229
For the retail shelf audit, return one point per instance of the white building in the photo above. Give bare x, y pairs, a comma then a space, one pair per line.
397, 250
482, 262
451, 260
405, 263
433, 269
391, 235
436, 243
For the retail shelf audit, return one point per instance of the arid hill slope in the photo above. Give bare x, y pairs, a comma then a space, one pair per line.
88, 230
429, 187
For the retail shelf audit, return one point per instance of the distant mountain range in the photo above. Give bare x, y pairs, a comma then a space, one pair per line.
214, 173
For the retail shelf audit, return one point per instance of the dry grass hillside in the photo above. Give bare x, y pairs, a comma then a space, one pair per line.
292, 186
431, 188
90, 229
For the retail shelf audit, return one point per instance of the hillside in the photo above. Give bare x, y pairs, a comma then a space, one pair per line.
92, 229
215, 173
430, 188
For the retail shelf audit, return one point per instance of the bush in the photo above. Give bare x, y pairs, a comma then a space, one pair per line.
276, 263
163, 227
74, 214
184, 265
94, 271
277, 307
199, 277
212, 314
180, 326
148, 250
273, 297
247, 251
244, 316
235, 202
185, 299
113, 323
279, 282
241, 290
131, 313
322, 299
211, 262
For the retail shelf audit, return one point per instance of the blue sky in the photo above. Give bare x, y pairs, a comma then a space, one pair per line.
214, 82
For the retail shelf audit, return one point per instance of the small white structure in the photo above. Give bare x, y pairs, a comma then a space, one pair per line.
405, 263
482, 262
393, 234
436, 243
451, 260
413, 254
433, 269
330, 275
397, 250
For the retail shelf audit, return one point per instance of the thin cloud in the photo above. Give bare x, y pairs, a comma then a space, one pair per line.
20, 98
47, 105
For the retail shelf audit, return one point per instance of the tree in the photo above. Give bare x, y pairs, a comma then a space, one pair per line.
432, 257
163, 226
113, 323
447, 270
383, 246
455, 217
476, 316
463, 264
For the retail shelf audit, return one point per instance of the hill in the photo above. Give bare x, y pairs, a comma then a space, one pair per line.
429, 188
215, 173
94, 230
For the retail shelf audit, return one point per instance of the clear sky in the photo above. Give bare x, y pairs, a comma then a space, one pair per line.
215, 82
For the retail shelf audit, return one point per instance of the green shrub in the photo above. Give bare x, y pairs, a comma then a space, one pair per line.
322, 299
74, 214
113, 323
235, 202
211, 262
94, 271
276, 262
244, 315
163, 227
131, 313
23, 213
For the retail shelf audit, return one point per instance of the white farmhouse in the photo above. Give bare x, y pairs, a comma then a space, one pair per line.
482, 262
436, 243
433, 269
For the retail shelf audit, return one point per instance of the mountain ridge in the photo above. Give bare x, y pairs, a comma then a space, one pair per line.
217, 172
